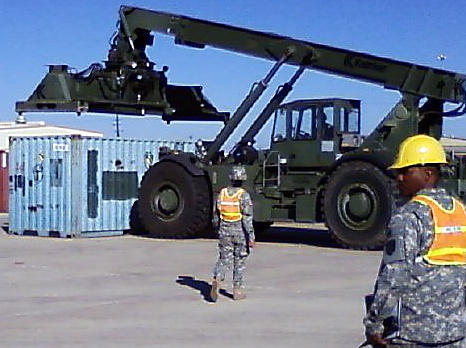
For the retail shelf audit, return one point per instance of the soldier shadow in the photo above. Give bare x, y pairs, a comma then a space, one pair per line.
200, 285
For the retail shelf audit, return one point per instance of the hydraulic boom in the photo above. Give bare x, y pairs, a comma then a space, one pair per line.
128, 83
402, 76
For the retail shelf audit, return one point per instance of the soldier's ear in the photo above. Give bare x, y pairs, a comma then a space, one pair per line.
431, 173
427, 174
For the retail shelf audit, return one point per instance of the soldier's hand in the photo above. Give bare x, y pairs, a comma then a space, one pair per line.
376, 340
252, 244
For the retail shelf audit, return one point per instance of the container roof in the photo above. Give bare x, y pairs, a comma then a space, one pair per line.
8, 129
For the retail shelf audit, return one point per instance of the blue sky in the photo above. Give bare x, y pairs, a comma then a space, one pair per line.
77, 33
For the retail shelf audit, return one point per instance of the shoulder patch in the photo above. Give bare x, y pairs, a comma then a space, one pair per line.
394, 250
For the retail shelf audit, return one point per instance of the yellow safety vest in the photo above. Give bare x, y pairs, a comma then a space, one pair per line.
230, 206
449, 245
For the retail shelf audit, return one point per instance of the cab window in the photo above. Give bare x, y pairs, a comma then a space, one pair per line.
326, 122
304, 124
349, 120
279, 128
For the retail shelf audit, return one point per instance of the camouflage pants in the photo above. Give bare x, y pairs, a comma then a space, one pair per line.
457, 344
232, 250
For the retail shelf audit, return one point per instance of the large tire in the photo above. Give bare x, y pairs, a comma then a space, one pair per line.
173, 203
358, 202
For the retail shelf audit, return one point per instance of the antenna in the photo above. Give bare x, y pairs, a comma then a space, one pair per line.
116, 123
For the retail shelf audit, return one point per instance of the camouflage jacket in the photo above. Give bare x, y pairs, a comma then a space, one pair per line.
429, 300
245, 225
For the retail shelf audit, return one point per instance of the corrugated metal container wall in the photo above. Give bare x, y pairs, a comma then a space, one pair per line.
68, 186
3, 181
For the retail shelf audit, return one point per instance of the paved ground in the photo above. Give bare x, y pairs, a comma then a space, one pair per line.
303, 291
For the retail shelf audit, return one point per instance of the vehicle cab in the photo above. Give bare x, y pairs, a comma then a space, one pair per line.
315, 132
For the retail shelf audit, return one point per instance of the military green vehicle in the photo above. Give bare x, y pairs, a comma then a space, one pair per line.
318, 168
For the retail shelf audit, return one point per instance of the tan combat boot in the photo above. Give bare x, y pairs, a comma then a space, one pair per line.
238, 293
214, 289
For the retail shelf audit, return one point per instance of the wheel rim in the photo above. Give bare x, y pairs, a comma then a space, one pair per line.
357, 206
167, 202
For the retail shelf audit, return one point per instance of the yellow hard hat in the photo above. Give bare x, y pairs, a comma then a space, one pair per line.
419, 150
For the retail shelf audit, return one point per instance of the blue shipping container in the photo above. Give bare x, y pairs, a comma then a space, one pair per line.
74, 186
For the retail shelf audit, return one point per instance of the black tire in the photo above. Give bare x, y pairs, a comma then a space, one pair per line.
357, 205
173, 203
135, 223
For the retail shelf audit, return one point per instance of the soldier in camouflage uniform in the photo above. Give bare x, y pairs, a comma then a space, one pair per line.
422, 275
233, 219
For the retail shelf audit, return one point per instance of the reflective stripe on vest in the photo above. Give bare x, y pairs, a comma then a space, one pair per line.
449, 245
230, 205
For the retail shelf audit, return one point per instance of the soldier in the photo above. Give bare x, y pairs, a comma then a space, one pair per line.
420, 285
233, 219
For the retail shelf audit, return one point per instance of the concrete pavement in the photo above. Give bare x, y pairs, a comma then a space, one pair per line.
303, 291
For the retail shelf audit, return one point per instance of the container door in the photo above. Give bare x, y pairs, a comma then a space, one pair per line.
40, 185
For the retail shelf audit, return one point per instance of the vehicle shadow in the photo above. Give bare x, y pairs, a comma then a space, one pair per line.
306, 235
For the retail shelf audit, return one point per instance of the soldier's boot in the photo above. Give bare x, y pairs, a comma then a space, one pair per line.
214, 289
238, 293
